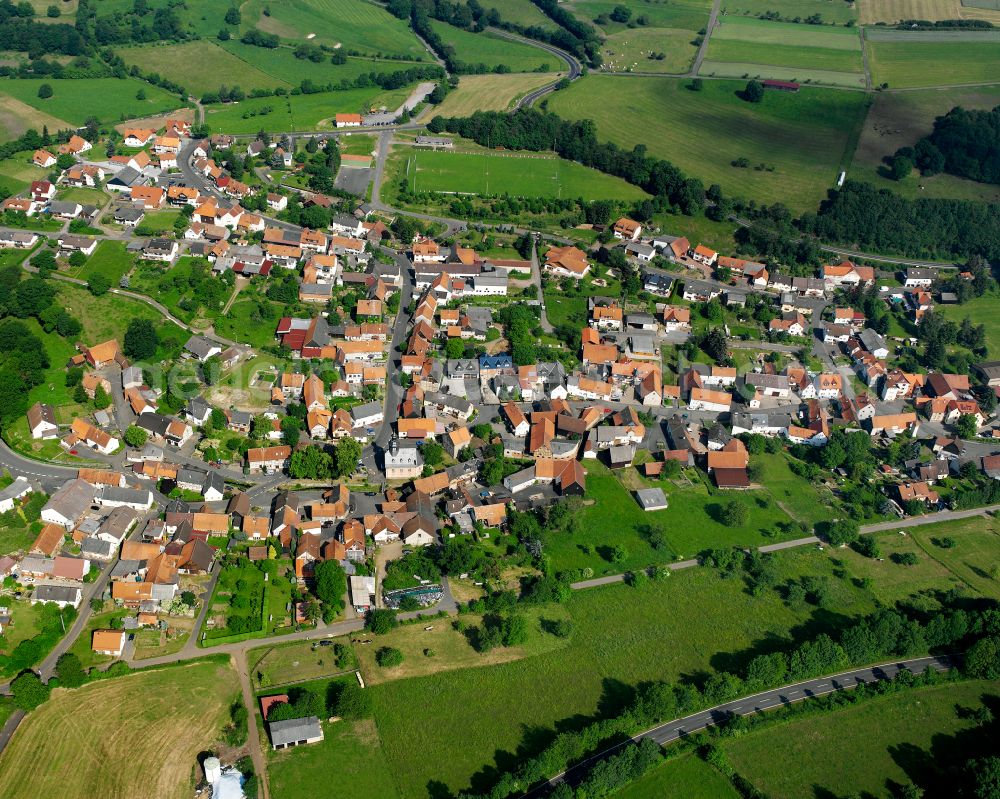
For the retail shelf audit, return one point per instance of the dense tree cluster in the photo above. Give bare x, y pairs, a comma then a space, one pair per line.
139, 22
20, 31
530, 129
963, 143
859, 214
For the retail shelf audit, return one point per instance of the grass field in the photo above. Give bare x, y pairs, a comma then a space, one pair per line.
298, 112
485, 48
639, 50
109, 259
519, 12
900, 119
520, 175
488, 93
353, 25
982, 311
282, 65
690, 15
622, 636
828, 10
684, 777
919, 733
905, 60
691, 522
130, 736
16, 117
16, 173
305, 772
811, 51
108, 99
201, 66
805, 137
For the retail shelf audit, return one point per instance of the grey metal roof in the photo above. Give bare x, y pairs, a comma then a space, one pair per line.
294, 730
651, 497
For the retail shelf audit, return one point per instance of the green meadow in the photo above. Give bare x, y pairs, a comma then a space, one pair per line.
796, 143
111, 100
485, 48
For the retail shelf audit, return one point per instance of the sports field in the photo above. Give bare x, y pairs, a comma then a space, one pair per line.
805, 138
900, 119
202, 66
493, 51
667, 50
488, 93
108, 99
518, 174
131, 736
905, 59
919, 735
351, 24
298, 112
813, 53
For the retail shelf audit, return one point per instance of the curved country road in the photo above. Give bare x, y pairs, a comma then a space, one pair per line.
766, 700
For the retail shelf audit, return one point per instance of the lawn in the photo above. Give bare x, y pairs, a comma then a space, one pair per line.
109, 259
668, 50
690, 524
623, 635
361, 768
488, 93
353, 25
981, 311
919, 734
17, 172
900, 119
109, 99
298, 661
493, 51
140, 736
156, 223
802, 139
202, 66
298, 112
905, 60
684, 777
83, 196
518, 174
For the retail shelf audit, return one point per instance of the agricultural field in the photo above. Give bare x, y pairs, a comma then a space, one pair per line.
811, 52
488, 93
909, 59
355, 26
524, 175
900, 119
202, 66
16, 117
892, 11
109, 259
801, 140
920, 732
143, 733
829, 11
485, 48
299, 112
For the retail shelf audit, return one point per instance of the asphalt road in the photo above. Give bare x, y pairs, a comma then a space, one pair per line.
756, 703
573, 68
